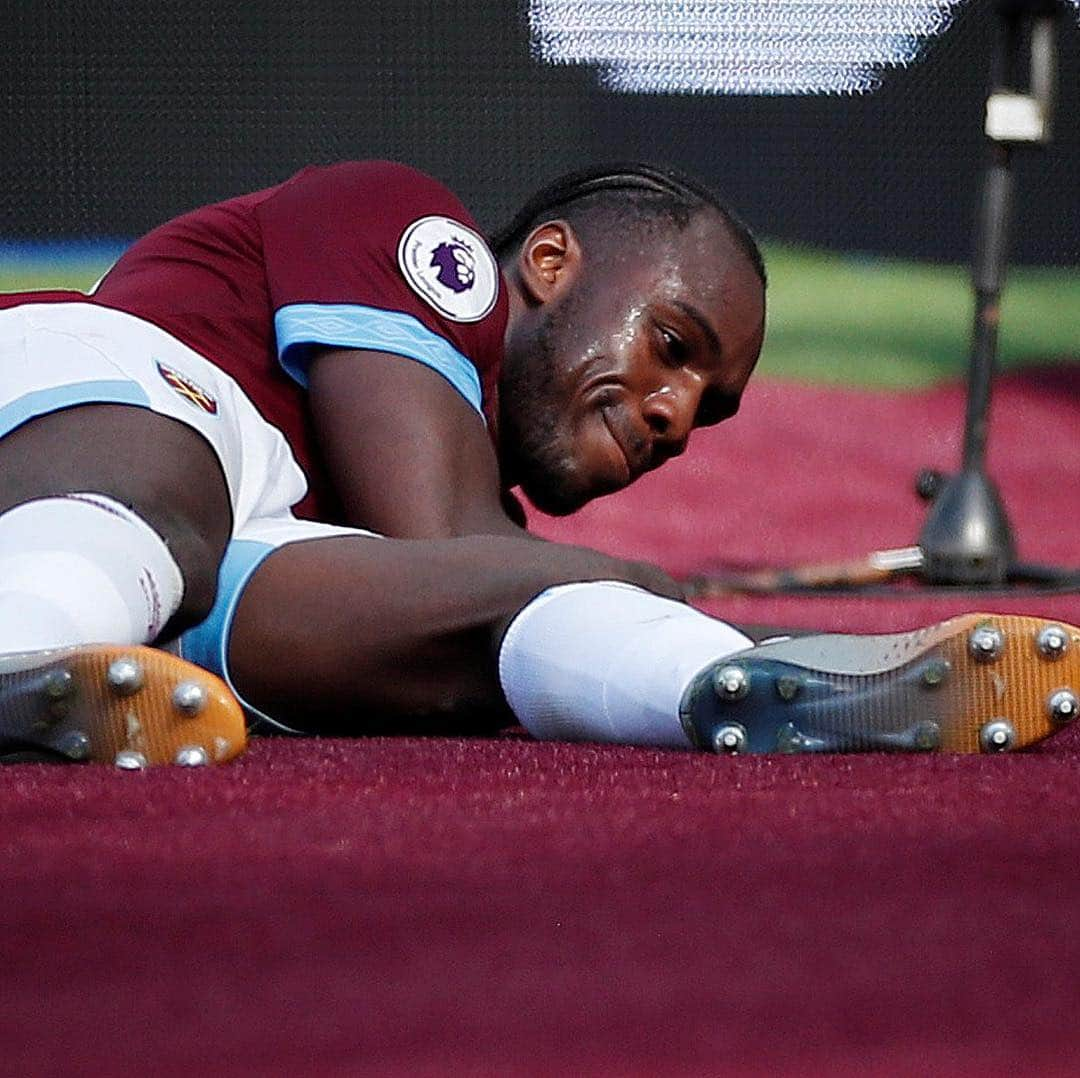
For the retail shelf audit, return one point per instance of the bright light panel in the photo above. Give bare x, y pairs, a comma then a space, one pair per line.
737, 46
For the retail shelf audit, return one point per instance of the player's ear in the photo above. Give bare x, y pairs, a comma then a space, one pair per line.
550, 260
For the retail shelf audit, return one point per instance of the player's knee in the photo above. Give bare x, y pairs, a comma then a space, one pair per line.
198, 553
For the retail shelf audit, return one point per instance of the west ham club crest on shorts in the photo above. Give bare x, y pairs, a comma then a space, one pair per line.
191, 391
450, 267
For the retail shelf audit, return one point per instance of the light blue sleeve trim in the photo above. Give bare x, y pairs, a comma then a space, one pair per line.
350, 325
54, 399
207, 644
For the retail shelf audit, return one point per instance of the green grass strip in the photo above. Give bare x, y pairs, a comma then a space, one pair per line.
893, 324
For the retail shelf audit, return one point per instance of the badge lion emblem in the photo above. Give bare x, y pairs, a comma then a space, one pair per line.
456, 265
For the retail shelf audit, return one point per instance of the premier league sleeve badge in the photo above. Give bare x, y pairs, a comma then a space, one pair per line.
450, 267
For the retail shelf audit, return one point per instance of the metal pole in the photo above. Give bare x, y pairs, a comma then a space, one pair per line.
988, 278
967, 538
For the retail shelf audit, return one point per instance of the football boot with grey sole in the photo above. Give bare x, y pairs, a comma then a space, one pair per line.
976, 683
133, 707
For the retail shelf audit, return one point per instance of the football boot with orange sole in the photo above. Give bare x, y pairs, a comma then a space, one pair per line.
134, 707
977, 683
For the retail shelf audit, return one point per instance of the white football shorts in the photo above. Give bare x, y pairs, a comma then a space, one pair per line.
59, 355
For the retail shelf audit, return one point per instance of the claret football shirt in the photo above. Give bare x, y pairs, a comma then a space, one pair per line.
369, 255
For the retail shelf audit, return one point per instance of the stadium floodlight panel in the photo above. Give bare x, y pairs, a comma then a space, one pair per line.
737, 46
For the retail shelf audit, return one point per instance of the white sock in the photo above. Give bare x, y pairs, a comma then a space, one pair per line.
82, 569
608, 662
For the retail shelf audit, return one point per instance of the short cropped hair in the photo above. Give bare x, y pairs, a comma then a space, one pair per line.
633, 193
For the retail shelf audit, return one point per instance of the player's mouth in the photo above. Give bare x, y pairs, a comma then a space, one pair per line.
629, 468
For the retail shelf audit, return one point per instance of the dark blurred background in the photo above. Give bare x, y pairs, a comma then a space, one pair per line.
119, 116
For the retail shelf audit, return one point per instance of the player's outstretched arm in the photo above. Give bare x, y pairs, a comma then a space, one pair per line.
410, 458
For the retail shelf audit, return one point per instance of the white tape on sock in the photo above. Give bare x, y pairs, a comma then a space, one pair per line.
79, 569
608, 662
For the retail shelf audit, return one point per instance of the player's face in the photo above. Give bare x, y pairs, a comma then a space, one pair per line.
635, 356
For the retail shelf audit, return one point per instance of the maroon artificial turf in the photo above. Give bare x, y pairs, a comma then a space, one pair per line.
506, 907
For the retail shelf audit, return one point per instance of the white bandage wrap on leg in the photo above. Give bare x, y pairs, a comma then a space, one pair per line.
81, 569
608, 661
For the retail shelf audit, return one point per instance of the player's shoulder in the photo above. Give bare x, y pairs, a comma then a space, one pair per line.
367, 218
382, 180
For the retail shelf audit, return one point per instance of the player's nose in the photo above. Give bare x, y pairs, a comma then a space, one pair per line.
669, 413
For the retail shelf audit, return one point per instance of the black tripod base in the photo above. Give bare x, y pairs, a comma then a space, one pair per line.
967, 539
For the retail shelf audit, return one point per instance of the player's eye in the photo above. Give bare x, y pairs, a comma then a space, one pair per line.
675, 350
